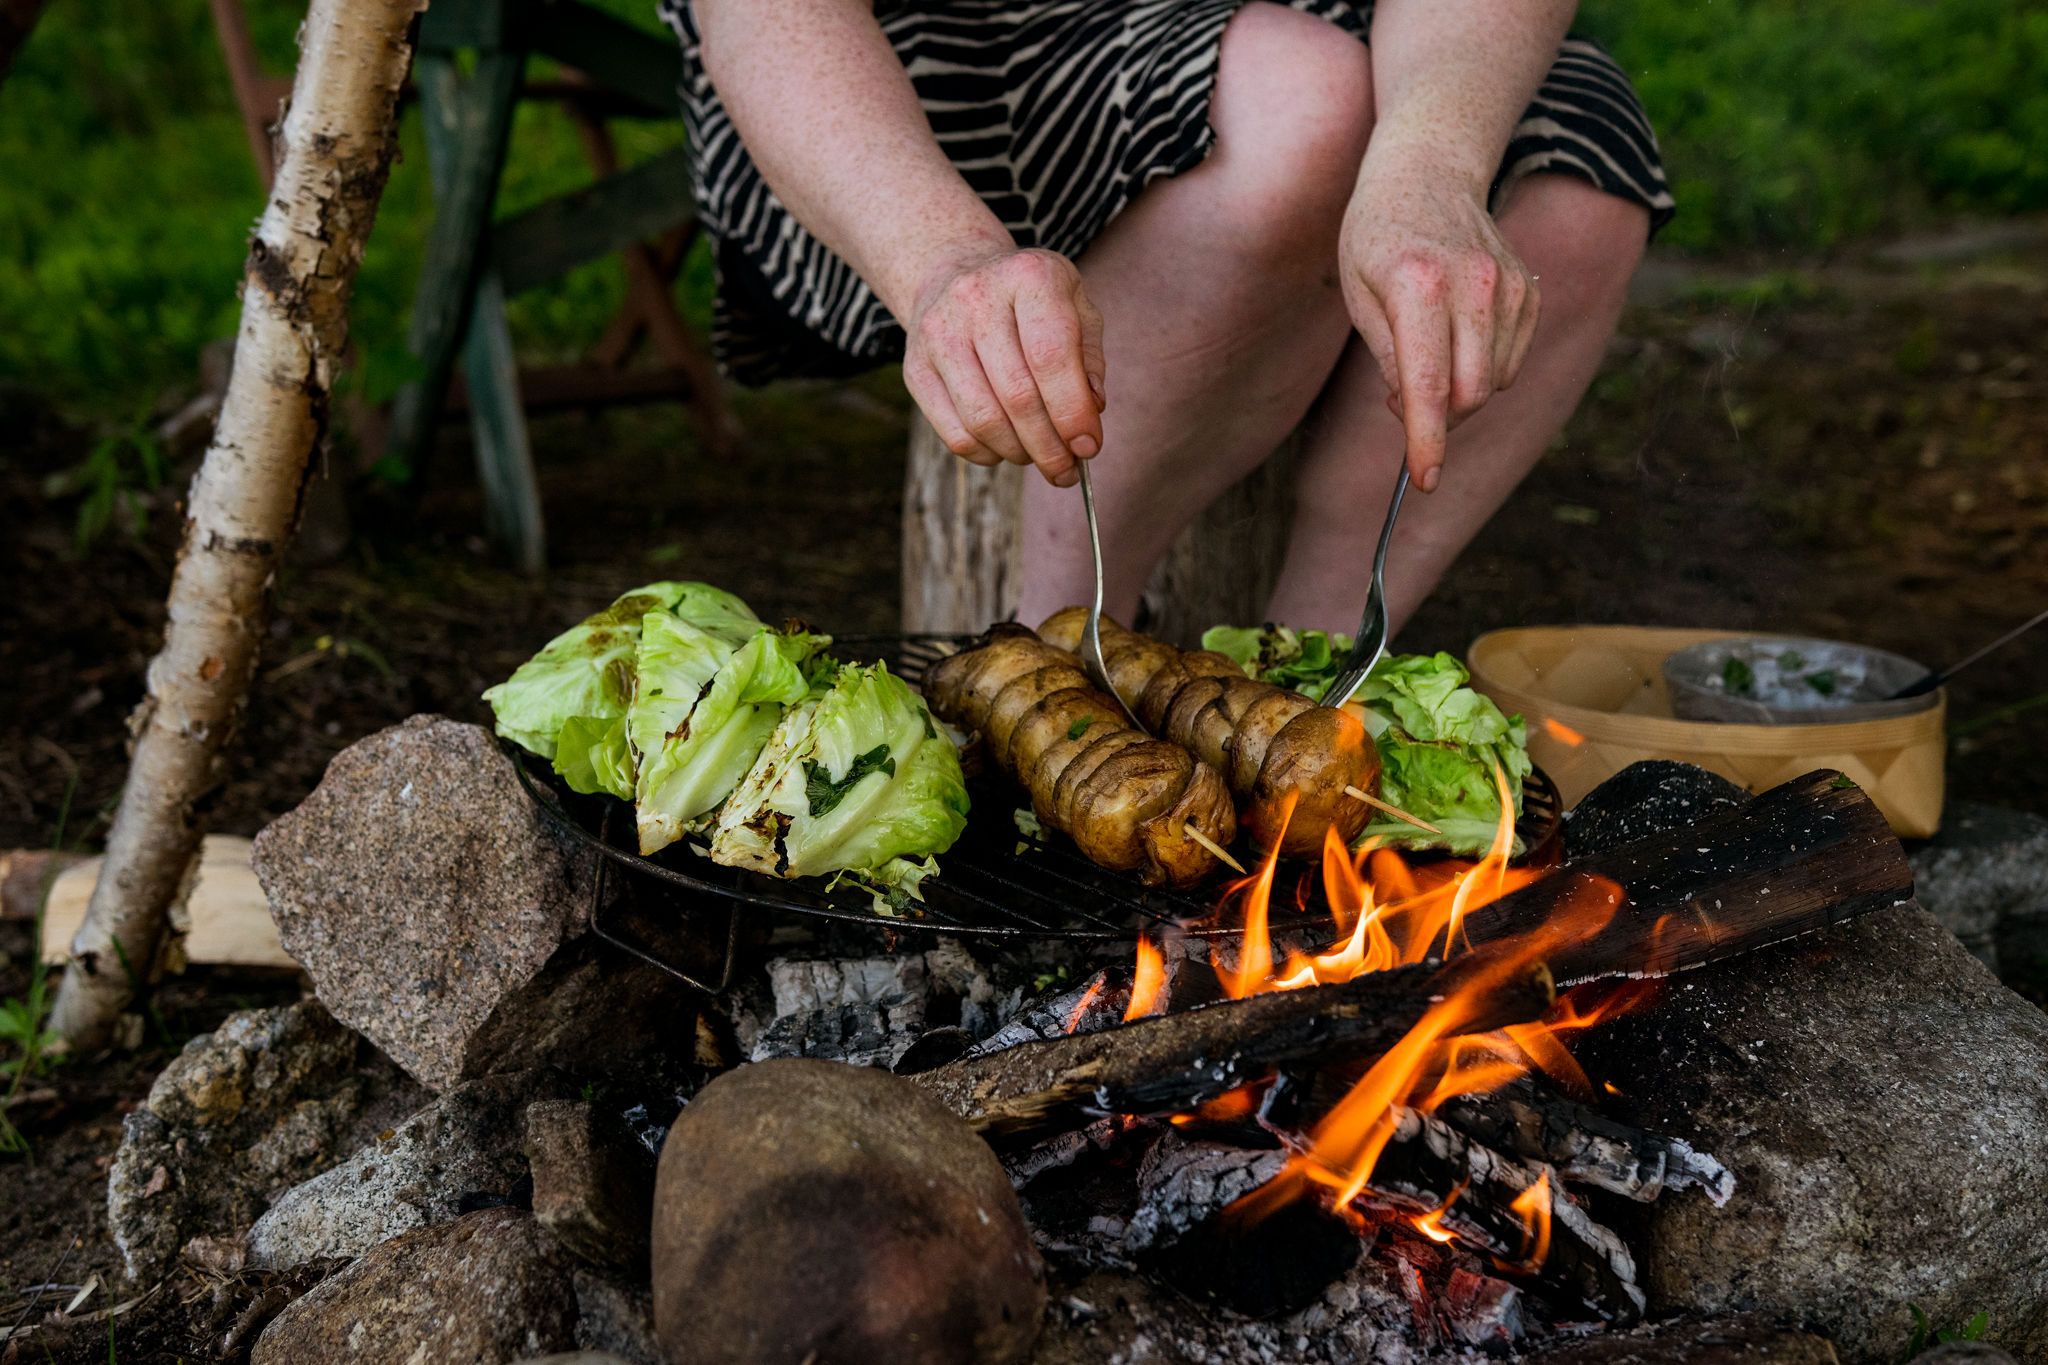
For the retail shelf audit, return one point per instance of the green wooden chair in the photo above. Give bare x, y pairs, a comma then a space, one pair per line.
474, 262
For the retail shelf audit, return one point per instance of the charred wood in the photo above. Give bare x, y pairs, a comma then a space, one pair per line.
1428, 1167
1802, 856
1173, 1063
1526, 1119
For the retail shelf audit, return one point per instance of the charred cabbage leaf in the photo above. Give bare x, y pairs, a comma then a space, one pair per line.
587, 670
857, 782
703, 710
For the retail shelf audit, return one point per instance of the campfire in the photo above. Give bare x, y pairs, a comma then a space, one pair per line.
1400, 1085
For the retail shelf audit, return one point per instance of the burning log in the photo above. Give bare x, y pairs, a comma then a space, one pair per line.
1802, 856
1515, 1212
1176, 1062
1528, 1120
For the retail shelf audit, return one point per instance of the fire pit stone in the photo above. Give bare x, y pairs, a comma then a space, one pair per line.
268, 1099
807, 1206
488, 1286
413, 1174
1985, 876
440, 916
1883, 1103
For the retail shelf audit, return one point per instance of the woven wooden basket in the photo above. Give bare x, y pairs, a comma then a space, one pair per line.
1595, 702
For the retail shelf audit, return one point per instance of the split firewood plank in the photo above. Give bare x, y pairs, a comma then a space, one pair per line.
1172, 1063
1526, 1119
1800, 857
227, 913
27, 875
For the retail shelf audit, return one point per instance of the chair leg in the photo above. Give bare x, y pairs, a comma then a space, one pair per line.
466, 124
497, 422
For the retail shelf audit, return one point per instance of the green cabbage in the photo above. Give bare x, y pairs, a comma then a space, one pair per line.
592, 755
587, 670
1439, 740
1305, 660
856, 781
1440, 744
702, 713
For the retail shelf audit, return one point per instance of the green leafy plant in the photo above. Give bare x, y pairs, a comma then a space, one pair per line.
21, 1020
1925, 1334
112, 483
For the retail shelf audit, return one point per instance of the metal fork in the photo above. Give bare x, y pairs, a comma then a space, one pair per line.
1372, 630
1091, 635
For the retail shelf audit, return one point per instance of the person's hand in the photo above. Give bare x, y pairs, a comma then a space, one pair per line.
1004, 354
1444, 304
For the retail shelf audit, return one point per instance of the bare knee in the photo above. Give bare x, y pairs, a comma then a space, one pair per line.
1582, 242
1292, 110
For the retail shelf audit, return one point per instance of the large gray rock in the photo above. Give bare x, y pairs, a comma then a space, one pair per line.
441, 916
270, 1098
413, 1174
811, 1209
488, 1287
1985, 876
1883, 1103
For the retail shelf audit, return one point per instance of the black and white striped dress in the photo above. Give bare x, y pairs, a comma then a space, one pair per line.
1058, 113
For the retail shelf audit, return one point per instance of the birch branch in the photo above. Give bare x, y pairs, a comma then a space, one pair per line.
335, 150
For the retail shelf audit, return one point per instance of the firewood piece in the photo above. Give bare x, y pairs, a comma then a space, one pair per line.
1172, 1063
1427, 1165
1528, 1120
1802, 856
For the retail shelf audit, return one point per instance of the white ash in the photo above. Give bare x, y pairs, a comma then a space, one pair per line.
1183, 1183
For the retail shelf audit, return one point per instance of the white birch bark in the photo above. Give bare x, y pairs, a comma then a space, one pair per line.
334, 151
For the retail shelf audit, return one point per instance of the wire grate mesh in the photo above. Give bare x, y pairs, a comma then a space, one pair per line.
995, 882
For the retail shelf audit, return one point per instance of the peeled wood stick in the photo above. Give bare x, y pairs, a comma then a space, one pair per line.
1391, 809
336, 143
1172, 1063
1206, 842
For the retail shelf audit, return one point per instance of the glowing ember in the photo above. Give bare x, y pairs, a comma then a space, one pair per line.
1147, 981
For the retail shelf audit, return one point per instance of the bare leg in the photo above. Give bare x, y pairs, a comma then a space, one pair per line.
1222, 319
1582, 245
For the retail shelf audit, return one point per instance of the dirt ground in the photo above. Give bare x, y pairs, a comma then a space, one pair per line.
1847, 449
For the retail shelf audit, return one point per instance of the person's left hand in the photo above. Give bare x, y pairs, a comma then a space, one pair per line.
1444, 304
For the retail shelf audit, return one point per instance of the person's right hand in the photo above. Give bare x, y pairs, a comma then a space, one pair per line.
1004, 354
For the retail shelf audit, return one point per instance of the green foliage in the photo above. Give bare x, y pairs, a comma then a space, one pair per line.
1973, 1330
130, 195
21, 1020
1806, 121
113, 482
130, 192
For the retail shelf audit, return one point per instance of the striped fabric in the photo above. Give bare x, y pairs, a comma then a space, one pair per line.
1058, 113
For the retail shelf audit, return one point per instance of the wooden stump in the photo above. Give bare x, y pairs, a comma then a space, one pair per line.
963, 559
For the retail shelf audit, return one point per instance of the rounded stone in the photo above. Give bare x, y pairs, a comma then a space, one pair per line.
813, 1210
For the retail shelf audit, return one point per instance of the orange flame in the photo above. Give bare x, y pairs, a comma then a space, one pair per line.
1081, 1006
1562, 733
1532, 1206
1430, 1224
1389, 913
1147, 981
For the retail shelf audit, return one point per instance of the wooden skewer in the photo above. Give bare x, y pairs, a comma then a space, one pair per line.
1206, 842
1392, 810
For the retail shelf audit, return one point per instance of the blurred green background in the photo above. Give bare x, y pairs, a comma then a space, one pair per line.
126, 190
